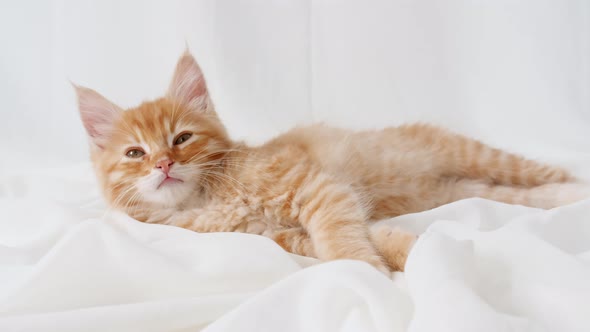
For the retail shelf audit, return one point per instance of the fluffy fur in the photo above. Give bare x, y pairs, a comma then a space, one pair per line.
314, 190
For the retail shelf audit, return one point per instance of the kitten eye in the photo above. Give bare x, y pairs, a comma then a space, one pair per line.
182, 138
134, 153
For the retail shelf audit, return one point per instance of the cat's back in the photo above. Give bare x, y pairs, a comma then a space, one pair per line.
319, 143
349, 153
337, 150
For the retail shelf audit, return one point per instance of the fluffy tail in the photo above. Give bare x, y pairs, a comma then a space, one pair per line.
463, 157
476, 160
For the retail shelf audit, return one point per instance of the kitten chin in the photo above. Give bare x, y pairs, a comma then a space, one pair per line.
169, 194
169, 191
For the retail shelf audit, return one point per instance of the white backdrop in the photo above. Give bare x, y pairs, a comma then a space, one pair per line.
492, 69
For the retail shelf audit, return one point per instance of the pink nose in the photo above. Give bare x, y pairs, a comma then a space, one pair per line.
164, 165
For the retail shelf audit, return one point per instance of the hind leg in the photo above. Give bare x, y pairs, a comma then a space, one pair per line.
545, 196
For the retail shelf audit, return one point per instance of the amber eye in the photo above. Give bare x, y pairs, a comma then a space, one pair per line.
134, 153
182, 138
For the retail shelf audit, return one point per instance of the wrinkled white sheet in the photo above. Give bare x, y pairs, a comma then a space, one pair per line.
67, 264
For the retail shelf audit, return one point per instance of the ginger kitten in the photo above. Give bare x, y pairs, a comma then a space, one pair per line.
314, 190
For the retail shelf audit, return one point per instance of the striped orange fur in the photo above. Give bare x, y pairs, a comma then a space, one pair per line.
314, 190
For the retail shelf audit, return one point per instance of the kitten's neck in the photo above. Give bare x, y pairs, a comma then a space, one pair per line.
222, 179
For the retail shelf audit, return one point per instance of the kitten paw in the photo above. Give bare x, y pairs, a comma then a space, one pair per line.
394, 244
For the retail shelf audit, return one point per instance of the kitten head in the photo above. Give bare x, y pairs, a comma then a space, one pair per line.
159, 152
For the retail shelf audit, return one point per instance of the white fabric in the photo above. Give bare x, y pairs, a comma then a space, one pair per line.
66, 265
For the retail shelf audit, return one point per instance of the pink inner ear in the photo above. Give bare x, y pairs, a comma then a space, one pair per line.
188, 84
98, 114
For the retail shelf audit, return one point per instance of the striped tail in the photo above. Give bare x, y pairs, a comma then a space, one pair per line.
462, 157
476, 160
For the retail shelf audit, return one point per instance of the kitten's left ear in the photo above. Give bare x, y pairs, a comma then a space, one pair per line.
98, 114
188, 84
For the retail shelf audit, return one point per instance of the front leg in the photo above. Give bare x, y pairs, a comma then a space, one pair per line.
294, 240
394, 244
213, 218
336, 220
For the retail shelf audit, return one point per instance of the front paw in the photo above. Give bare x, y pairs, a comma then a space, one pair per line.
394, 244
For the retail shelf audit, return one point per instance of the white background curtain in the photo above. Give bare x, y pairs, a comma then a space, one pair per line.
514, 73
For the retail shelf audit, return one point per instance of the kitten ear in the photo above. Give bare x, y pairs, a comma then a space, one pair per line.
188, 84
98, 114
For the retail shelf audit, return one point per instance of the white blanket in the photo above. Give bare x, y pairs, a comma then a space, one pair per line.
67, 265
